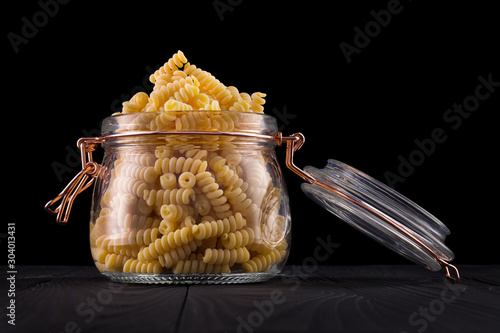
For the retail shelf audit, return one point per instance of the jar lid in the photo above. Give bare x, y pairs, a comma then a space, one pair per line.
382, 213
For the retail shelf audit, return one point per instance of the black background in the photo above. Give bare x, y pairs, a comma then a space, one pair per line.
91, 56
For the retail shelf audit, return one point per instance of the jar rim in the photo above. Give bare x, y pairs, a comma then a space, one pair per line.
191, 120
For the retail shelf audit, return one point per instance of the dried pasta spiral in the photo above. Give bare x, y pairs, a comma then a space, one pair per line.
137, 222
158, 198
228, 177
145, 173
130, 185
142, 158
239, 200
174, 105
187, 180
136, 103
99, 254
198, 266
175, 213
172, 257
209, 229
167, 226
238, 238
166, 243
138, 237
226, 256
177, 61
136, 266
214, 194
194, 120
115, 262
257, 102
178, 165
183, 90
263, 262
240, 105
225, 121
168, 181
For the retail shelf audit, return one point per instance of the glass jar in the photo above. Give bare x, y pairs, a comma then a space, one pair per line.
190, 206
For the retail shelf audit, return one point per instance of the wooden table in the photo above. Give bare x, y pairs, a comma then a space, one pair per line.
303, 298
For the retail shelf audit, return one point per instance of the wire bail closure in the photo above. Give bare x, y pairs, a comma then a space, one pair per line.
294, 142
78, 184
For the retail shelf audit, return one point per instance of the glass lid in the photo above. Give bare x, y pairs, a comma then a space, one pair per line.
380, 212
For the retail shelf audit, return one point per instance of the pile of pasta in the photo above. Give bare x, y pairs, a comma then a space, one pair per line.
181, 86
189, 204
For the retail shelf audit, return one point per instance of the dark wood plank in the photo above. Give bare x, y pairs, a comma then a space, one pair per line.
83, 299
348, 299
27, 276
301, 299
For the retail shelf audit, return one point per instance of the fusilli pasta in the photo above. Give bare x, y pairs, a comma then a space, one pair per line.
189, 205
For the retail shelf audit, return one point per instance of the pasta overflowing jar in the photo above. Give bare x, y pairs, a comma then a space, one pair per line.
190, 190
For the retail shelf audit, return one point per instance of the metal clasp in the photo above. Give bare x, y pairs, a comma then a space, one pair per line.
293, 143
79, 183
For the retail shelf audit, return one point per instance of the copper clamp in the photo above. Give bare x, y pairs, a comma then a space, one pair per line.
78, 184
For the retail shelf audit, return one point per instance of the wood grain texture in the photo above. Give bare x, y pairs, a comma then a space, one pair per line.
301, 299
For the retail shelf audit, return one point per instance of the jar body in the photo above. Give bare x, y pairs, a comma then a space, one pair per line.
190, 208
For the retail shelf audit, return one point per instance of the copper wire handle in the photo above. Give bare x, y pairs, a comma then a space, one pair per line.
78, 184
294, 143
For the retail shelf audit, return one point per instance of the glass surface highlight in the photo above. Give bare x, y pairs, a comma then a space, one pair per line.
363, 188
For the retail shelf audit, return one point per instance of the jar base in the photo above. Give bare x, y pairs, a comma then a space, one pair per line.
221, 278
